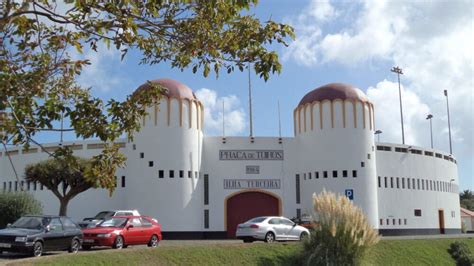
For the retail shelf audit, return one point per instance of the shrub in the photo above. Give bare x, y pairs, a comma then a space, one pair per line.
15, 205
343, 234
461, 253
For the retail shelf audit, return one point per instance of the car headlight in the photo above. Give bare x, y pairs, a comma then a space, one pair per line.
20, 239
103, 235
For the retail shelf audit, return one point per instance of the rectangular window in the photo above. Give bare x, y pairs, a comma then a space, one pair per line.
368, 156
41, 187
403, 182
398, 182
142, 155
16, 185
387, 148
431, 185
428, 153
325, 174
362, 164
206, 219
397, 149
196, 175
298, 213
408, 182
391, 182
34, 186
206, 189
181, 173
150, 164
388, 221
422, 184
123, 181
413, 183
381, 222
344, 173
380, 148
115, 180
171, 173
9, 185
297, 181
380, 181
394, 221
304, 176
399, 221
438, 155
437, 186
386, 182
316, 175
405, 221
190, 174
309, 175
354, 173
134, 146
161, 174
417, 212
28, 185
418, 183
334, 174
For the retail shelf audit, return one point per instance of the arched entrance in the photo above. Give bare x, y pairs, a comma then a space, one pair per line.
245, 205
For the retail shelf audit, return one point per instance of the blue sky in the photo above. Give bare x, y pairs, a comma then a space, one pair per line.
339, 41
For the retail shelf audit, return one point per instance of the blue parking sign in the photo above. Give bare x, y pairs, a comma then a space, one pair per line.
350, 194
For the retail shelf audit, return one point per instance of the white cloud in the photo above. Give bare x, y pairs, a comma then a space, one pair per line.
431, 40
234, 114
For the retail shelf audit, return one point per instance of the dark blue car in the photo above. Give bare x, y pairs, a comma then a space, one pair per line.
35, 234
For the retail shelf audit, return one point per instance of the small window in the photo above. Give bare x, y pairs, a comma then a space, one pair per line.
134, 146
34, 186
403, 182
362, 164
206, 219
381, 221
309, 175
399, 221
123, 181
150, 164
304, 176
388, 221
397, 149
394, 221
354, 173
422, 184
398, 182
41, 187
405, 221
387, 148
171, 173
16, 185
380, 181
391, 182
408, 183
334, 174
438, 155
368, 156
380, 148
413, 183
428, 153
28, 185
196, 175
190, 174
161, 174
181, 173
142, 155
298, 214
316, 175
297, 182
115, 181
418, 183
344, 173
386, 182
325, 174
417, 212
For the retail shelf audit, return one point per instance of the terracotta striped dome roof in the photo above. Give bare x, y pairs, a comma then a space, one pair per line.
333, 91
174, 89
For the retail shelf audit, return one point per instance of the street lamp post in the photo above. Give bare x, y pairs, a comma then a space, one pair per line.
429, 117
399, 72
378, 132
449, 122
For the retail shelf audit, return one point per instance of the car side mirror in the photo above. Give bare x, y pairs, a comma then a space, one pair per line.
47, 229
129, 226
9, 225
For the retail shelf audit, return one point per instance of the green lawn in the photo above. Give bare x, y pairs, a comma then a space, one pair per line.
387, 252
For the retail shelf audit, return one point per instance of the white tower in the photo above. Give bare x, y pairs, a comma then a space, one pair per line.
334, 127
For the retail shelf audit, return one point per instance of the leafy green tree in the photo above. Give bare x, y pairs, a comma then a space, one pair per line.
13, 205
66, 179
38, 76
467, 199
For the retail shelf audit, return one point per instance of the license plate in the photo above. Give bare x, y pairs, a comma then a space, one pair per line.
88, 240
5, 245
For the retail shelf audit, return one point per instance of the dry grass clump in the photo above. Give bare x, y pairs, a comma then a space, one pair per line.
343, 234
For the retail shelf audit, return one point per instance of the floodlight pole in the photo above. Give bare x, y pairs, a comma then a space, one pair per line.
399, 72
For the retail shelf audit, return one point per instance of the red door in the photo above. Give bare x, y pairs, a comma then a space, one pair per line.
247, 205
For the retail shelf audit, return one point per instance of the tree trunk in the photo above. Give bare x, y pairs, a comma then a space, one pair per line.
63, 206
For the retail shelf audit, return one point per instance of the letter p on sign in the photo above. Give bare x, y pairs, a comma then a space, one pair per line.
350, 194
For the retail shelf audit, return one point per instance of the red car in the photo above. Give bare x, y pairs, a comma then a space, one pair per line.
121, 231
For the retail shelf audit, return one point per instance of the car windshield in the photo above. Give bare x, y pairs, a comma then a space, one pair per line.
256, 220
31, 222
114, 222
103, 215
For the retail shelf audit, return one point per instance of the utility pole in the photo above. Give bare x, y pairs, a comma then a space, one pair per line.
250, 105
399, 72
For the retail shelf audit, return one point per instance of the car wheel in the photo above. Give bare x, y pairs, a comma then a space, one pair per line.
248, 240
270, 237
125, 246
86, 247
118, 243
153, 241
303, 236
74, 248
37, 249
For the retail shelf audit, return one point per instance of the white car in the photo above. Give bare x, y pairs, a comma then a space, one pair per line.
104, 215
270, 229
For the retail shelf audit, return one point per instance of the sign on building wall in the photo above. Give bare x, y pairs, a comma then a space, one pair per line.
252, 169
271, 155
251, 183
349, 194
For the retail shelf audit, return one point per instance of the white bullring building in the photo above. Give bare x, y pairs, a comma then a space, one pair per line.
202, 186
